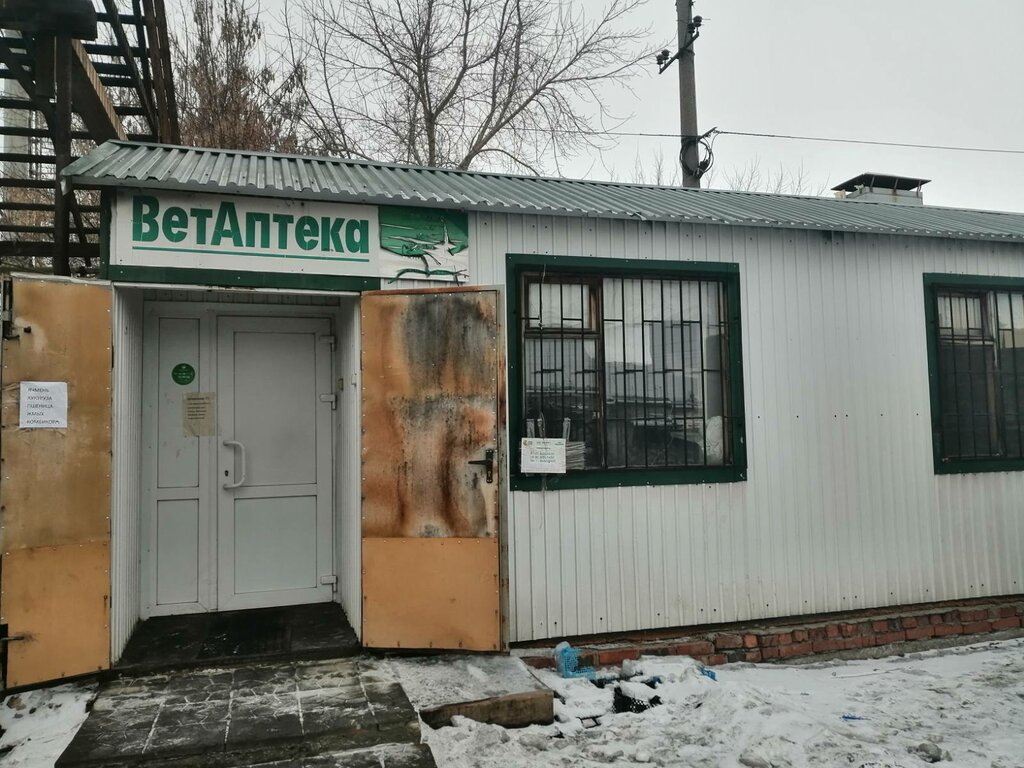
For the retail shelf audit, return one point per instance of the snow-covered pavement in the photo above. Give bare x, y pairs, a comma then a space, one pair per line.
38, 725
962, 706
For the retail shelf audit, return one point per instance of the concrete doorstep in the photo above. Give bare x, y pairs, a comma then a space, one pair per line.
348, 712
488, 688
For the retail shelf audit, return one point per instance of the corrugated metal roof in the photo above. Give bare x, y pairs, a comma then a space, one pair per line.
157, 166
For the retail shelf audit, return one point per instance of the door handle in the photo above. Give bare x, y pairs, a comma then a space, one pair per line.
488, 463
241, 451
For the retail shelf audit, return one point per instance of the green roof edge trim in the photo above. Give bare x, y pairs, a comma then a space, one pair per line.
234, 172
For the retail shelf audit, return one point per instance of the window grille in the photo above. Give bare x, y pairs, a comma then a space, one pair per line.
980, 371
632, 372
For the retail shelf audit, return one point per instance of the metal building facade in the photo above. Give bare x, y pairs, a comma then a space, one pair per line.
841, 509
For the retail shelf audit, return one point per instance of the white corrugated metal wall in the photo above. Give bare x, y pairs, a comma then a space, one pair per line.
841, 509
126, 468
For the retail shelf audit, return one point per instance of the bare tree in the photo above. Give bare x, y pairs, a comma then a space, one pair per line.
513, 84
229, 95
660, 173
782, 181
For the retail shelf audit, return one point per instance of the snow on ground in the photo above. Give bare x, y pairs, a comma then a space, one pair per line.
435, 681
961, 705
38, 725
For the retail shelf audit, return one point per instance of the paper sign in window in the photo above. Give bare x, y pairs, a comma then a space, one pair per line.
542, 455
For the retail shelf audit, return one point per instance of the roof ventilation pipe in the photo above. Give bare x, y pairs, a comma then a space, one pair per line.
882, 188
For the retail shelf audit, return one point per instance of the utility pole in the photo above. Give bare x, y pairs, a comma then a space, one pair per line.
689, 156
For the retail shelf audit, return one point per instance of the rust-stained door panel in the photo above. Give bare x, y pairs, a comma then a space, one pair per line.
431, 426
55, 489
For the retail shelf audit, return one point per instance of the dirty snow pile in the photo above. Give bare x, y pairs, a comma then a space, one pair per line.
38, 725
958, 707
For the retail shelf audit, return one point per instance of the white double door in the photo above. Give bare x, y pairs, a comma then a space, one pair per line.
252, 525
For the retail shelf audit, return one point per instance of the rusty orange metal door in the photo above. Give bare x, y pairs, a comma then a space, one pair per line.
432, 396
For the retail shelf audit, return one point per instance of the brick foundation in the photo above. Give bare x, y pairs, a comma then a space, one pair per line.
803, 636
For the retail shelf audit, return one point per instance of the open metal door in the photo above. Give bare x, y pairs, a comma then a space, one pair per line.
55, 488
432, 420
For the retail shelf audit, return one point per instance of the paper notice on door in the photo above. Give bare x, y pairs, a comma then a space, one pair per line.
199, 413
44, 405
542, 455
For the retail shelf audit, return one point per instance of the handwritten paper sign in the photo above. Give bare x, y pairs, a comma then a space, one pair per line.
542, 455
44, 405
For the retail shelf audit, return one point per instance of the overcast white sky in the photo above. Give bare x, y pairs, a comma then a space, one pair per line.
913, 71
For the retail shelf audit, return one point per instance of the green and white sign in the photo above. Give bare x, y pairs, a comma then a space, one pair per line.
269, 235
424, 244
183, 374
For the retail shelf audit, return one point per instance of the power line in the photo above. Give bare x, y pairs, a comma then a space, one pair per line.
946, 147
720, 132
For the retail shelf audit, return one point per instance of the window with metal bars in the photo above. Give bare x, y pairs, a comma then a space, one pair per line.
977, 344
634, 370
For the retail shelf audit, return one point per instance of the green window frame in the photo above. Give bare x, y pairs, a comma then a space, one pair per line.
975, 337
590, 341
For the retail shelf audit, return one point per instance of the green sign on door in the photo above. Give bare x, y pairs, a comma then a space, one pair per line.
183, 374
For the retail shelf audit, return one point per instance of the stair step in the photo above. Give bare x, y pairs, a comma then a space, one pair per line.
227, 718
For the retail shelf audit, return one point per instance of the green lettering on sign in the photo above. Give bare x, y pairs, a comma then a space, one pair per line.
226, 227
183, 374
144, 225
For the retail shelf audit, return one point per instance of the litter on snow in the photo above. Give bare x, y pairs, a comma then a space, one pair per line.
567, 662
957, 706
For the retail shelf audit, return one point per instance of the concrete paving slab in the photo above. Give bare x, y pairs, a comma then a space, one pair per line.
319, 675
105, 737
265, 680
258, 719
381, 756
492, 689
290, 712
431, 681
188, 729
332, 709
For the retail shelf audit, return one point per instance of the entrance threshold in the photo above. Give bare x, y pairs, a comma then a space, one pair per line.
315, 631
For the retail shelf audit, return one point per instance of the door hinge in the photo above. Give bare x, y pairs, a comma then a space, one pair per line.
332, 580
331, 398
329, 338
